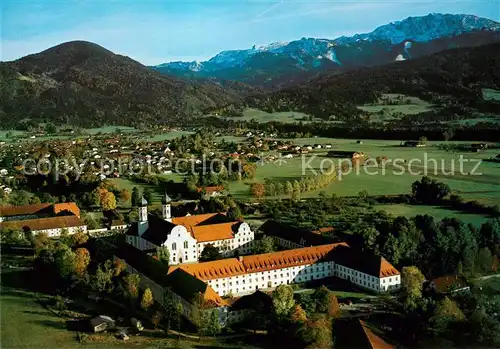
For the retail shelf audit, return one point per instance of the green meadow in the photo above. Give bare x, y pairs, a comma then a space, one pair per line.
262, 116
491, 94
409, 106
432, 161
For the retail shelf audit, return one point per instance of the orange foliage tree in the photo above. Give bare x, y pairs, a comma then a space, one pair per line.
82, 260
258, 190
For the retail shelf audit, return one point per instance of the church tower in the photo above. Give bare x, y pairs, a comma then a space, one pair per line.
143, 217
166, 209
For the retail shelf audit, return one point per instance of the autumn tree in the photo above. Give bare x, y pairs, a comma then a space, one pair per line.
156, 319
132, 286
318, 333
298, 315
147, 299
125, 196
118, 267
333, 308
108, 201
258, 190
79, 238
82, 260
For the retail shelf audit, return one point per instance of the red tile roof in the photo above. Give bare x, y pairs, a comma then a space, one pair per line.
208, 231
375, 341
192, 220
445, 284
386, 268
6, 211
289, 258
213, 269
251, 264
213, 232
68, 206
211, 189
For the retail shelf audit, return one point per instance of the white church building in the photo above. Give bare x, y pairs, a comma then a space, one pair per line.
186, 237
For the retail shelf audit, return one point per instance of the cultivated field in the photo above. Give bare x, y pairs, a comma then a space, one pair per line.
484, 188
409, 106
261, 116
435, 211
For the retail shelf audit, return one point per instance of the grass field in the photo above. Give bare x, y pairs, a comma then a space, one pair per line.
411, 106
262, 116
437, 212
91, 131
26, 324
489, 286
123, 183
485, 187
167, 136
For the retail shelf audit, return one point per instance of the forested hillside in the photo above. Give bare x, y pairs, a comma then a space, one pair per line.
84, 84
452, 78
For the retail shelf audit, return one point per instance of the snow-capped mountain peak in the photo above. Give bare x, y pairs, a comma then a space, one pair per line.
397, 40
425, 28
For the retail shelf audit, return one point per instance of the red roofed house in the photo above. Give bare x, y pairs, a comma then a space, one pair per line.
211, 191
186, 237
448, 284
38, 218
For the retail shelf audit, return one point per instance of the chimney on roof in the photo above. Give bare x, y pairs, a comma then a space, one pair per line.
240, 258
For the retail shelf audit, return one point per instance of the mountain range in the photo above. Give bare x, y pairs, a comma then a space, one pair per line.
84, 84
282, 64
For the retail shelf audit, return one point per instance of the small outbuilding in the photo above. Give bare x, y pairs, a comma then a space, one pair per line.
101, 323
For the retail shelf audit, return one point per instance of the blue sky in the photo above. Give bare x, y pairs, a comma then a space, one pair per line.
154, 32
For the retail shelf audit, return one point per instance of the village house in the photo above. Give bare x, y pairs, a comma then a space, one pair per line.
186, 237
448, 284
210, 191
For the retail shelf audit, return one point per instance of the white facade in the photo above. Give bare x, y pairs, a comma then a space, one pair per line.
385, 284
183, 247
261, 280
242, 242
55, 232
